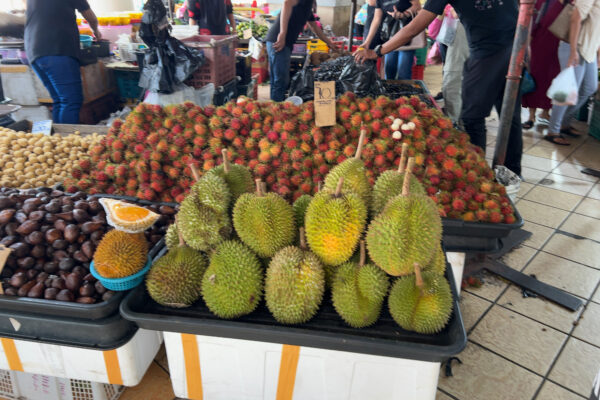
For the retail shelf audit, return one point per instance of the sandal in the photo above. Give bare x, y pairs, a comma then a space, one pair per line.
557, 139
543, 121
570, 132
528, 124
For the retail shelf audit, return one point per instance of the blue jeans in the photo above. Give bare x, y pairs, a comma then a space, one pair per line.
62, 78
398, 64
279, 71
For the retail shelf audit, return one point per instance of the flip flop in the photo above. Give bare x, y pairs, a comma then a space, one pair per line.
554, 139
569, 132
528, 124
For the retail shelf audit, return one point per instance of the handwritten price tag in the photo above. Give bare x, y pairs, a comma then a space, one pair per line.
325, 103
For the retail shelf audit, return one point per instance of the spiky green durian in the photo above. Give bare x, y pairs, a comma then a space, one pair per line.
238, 177
358, 291
421, 302
264, 222
172, 237
211, 191
407, 231
300, 206
174, 279
232, 285
438, 262
354, 173
335, 220
294, 285
202, 227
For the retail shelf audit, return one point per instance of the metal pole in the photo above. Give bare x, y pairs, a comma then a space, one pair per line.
351, 34
513, 79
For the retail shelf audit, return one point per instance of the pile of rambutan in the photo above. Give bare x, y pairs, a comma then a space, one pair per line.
148, 155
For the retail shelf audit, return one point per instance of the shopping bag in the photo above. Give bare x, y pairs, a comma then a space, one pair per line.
434, 57
447, 31
564, 89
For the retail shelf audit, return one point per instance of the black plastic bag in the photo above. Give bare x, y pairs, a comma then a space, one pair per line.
303, 84
361, 79
168, 62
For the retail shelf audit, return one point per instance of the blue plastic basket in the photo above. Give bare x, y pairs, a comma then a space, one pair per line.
122, 284
85, 41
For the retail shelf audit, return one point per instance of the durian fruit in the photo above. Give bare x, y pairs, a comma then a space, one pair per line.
294, 284
264, 222
172, 236
438, 262
202, 227
232, 285
335, 221
358, 291
389, 185
128, 217
421, 302
354, 173
300, 206
407, 231
212, 191
175, 279
120, 254
238, 177
203, 215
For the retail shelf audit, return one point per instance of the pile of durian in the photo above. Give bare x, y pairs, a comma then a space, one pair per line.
229, 229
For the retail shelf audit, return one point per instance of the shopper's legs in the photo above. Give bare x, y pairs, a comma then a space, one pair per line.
406, 59
279, 70
451, 90
391, 65
561, 114
56, 106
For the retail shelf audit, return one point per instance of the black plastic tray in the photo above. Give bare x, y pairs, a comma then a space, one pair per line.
71, 309
326, 330
103, 334
481, 237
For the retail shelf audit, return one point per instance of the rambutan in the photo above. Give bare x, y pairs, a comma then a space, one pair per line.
451, 150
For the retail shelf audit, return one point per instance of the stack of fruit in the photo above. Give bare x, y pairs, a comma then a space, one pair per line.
258, 31
148, 155
225, 266
36, 160
53, 237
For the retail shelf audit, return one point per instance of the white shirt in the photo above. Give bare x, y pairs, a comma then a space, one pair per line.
589, 36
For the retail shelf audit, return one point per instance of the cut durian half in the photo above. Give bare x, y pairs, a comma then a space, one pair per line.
128, 217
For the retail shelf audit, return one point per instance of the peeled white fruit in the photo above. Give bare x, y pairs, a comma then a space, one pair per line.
397, 135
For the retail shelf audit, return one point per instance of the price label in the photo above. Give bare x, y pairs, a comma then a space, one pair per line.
247, 33
4, 253
44, 127
325, 103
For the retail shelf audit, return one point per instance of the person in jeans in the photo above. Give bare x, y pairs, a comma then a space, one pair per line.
490, 27
52, 47
398, 64
281, 38
582, 53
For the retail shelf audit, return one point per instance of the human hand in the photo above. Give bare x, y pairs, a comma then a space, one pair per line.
280, 43
573, 59
362, 54
395, 14
97, 35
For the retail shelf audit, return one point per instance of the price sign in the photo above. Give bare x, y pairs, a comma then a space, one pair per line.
325, 103
44, 127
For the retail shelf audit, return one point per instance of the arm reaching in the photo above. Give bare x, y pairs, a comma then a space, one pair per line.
374, 28
319, 32
286, 13
405, 35
90, 17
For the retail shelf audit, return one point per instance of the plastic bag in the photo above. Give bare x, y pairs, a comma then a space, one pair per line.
527, 83
303, 84
434, 57
361, 79
255, 48
447, 31
564, 90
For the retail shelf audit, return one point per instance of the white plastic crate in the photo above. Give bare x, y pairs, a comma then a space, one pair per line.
16, 385
125, 365
212, 368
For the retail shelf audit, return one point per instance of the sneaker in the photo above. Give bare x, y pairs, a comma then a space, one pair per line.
439, 96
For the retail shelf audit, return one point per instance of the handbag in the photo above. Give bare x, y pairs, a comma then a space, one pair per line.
527, 83
561, 25
391, 26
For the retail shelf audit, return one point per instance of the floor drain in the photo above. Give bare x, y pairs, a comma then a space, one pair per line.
546, 182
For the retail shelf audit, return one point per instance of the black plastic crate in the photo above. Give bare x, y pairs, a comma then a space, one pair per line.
225, 93
481, 237
105, 334
326, 330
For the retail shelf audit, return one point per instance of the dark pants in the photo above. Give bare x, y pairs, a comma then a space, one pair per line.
279, 71
483, 88
443, 50
62, 78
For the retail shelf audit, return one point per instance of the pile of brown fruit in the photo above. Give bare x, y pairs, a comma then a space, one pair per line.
52, 237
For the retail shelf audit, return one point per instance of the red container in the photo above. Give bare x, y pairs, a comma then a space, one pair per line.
219, 62
418, 72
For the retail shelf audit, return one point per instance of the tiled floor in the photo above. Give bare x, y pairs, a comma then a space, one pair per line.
520, 348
